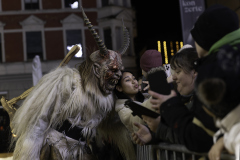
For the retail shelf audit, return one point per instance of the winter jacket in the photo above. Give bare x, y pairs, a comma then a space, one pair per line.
194, 127
230, 127
163, 134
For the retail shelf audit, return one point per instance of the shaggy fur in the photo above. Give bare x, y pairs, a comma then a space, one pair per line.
113, 130
58, 96
153, 70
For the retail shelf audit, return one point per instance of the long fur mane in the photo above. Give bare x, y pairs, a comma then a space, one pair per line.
61, 94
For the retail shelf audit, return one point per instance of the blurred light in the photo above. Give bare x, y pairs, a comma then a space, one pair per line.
177, 46
165, 52
74, 5
159, 46
79, 53
171, 45
181, 44
7, 158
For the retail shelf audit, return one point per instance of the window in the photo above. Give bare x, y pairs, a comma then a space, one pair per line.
34, 45
31, 4
74, 37
104, 3
108, 38
71, 4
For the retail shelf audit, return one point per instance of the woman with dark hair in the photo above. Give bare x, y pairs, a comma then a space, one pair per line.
127, 88
193, 126
184, 74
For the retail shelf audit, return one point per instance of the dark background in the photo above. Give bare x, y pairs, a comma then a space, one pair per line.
156, 20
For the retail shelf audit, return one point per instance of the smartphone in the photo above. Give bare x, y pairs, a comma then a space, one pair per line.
158, 82
143, 85
140, 110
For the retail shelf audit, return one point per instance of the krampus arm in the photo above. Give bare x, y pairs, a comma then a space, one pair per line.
9, 105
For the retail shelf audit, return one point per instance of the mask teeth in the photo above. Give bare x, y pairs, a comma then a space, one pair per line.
103, 50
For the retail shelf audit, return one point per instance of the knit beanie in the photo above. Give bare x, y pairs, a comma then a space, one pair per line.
213, 24
150, 59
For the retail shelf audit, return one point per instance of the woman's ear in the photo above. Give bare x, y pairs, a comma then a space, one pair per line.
194, 74
119, 88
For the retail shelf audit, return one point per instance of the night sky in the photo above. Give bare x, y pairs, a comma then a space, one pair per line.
156, 20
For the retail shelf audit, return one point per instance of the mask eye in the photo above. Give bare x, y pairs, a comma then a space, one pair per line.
114, 67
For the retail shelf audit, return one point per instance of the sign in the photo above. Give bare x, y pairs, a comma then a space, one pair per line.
190, 11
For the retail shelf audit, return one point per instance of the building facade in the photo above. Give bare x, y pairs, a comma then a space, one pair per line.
49, 29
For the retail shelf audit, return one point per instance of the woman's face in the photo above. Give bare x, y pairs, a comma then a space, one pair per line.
129, 84
185, 81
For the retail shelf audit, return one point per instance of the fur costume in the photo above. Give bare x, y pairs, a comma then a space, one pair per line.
62, 101
81, 96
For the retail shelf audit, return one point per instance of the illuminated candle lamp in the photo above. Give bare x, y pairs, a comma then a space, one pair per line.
159, 46
171, 45
177, 46
165, 52
181, 44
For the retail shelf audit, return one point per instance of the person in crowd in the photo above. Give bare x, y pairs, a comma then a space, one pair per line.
216, 30
127, 89
219, 90
192, 125
150, 61
217, 34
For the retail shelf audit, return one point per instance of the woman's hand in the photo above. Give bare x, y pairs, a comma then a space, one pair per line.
215, 151
142, 136
152, 122
158, 99
147, 87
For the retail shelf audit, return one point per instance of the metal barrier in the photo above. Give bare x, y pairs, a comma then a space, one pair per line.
165, 151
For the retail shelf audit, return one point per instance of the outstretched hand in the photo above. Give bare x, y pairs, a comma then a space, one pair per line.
215, 151
152, 122
158, 99
142, 136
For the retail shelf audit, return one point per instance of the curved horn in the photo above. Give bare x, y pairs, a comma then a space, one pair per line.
126, 41
103, 50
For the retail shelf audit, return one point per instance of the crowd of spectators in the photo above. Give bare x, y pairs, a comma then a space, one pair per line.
202, 109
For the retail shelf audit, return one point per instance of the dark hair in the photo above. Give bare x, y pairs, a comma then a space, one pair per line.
184, 59
120, 95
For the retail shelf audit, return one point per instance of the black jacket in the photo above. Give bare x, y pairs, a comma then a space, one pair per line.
176, 115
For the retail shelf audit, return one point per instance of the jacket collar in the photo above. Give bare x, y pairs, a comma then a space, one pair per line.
229, 120
231, 38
